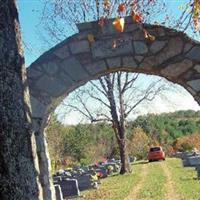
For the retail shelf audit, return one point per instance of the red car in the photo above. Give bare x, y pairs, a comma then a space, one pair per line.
156, 153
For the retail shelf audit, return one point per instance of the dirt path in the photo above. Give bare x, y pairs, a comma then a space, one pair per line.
133, 193
169, 185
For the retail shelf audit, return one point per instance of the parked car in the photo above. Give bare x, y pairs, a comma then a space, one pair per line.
156, 153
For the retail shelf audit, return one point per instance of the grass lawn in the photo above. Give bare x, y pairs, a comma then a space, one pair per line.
152, 186
116, 187
184, 179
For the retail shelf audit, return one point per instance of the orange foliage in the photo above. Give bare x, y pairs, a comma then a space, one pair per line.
187, 142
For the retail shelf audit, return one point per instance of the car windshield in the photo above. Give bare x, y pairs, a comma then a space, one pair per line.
155, 149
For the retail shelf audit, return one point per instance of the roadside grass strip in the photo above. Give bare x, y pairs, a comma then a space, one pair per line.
183, 178
153, 188
116, 187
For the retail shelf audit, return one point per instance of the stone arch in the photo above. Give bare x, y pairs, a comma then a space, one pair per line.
77, 60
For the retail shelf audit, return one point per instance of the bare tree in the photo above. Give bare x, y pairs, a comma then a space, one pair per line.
117, 96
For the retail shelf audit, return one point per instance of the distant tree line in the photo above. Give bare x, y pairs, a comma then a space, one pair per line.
84, 144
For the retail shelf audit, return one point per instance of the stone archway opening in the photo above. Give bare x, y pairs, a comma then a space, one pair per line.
77, 60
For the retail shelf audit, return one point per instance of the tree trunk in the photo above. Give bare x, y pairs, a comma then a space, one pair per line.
18, 177
122, 151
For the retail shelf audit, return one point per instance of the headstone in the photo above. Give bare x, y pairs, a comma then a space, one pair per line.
57, 178
84, 182
69, 188
58, 191
191, 161
198, 171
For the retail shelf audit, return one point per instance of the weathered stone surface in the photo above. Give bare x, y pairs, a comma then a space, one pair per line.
138, 35
96, 67
194, 54
197, 68
103, 49
139, 58
79, 47
62, 52
176, 69
140, 47
108, 28
65, 79
187, 47
194, 84
157, 46
37, 107
173, 48
160, 32
131, 27
128, 61
148, 63
50, 85
50, 67
33, 72
73, 67
84, 26
114, 62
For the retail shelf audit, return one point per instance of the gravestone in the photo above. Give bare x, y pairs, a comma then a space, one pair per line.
191, 161
57, 178
198, 171
58, 191
69, 188
84, 182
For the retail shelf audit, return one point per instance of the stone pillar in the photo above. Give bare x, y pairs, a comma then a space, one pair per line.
18, 174
48, 191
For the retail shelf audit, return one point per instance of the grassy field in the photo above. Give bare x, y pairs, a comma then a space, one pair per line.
166, 180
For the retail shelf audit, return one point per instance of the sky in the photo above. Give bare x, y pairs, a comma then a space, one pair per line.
30, 12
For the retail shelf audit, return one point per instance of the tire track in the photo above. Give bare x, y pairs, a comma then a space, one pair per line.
171, 193
133, 193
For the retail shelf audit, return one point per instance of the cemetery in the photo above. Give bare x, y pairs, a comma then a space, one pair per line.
110, 42
70, 183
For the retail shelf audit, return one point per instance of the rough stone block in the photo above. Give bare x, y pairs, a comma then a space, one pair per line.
187, 47
157, 46
50, 67
140, 47
197, 68
131, 27
33, 72
176, 69
114, 62
38, 108
50, 85
62, 52
84, 26
194, 54
128, 61
74, 69
108, 28
79, 47
174, 47
194, 84
103, 49
96, 68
